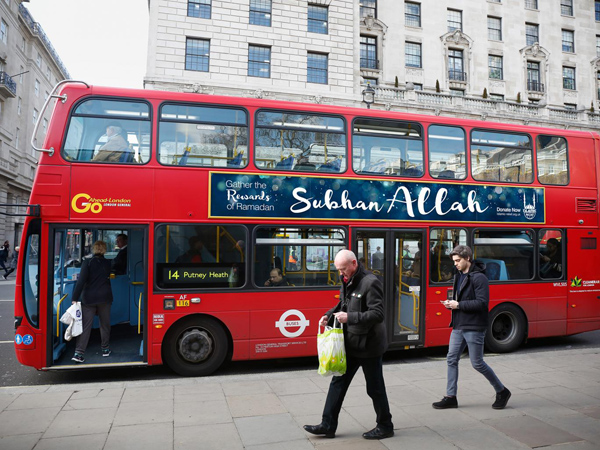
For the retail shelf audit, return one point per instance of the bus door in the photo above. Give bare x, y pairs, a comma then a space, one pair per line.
71, 246
394, 257
583, 285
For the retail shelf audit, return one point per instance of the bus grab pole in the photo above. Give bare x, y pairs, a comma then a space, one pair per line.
63, 99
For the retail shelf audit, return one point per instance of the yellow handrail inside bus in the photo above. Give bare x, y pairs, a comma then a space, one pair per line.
139, 313
58, 315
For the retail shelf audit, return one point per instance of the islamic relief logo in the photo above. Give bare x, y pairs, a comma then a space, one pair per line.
576, 282
529, 210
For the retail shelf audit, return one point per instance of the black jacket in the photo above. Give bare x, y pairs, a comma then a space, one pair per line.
362, 298
473, 299
119, 263
93, 284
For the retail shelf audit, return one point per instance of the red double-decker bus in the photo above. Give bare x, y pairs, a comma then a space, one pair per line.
235, 207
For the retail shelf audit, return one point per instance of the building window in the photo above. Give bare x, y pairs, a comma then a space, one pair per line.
568, 41
45, 125
17, 138
368, 52
38, 60
260, 12
457, 92
531, 4
533, 76
412, 14
259, 61
35, 115
412, 54
317, 68
197, 54
494, 28
455, 66
368, 8
532, 33
19, 105
22, 44
418, 86
370, 81
495, 67
3, 31
566, 7
571, 106
36, 88
597, 45
597, 7
199, 8
498, 97
48, 73
569, 78
454, 20
317, 19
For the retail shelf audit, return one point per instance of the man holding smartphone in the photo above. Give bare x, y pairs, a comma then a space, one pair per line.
469, 307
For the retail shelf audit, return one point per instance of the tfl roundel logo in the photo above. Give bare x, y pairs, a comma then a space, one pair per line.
298, 323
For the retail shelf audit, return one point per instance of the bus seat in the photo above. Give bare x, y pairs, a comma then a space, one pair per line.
126, 156
448, 174
331, 166
286, 163
495, 269
378, 167
236, 161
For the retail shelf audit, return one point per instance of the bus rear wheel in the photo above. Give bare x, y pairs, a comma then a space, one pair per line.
506, 330
195, 347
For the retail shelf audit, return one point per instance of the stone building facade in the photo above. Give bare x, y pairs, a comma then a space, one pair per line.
525, 61
29, 69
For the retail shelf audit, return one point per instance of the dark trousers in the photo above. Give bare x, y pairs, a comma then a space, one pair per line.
373, 370
88, 312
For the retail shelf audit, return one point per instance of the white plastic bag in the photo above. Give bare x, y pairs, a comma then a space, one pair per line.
331, 349
74, 319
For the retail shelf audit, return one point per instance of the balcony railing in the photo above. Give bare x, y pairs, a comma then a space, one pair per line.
6, 82
535, 86
366, 63
37, 30
457, 75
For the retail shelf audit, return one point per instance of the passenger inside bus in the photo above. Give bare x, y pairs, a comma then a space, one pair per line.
276, 278
116, 148
194, 253
551, 260
441, 267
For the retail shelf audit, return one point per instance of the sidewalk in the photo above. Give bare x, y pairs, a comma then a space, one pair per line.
555, 404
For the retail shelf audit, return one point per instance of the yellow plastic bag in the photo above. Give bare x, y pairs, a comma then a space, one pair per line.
332, 352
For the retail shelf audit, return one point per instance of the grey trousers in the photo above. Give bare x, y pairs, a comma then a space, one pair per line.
102, 310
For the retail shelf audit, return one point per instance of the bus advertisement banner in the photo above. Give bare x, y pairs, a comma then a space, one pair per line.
236, 195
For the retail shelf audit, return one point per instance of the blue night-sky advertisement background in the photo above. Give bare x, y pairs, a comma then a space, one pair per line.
270, 197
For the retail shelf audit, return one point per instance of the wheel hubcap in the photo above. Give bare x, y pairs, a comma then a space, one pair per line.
504, 327
195, 345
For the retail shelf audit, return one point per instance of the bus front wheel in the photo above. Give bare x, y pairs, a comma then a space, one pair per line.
195, 347
506, 330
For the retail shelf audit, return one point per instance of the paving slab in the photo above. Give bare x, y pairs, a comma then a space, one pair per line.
531, 431
81, 422
20, 442
255, 405
268, 429
135, 413
156, 436
222, 436
201, 413
87, 442
26, 421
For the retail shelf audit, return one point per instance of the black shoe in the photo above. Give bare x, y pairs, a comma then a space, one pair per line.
320, 430
378, 433
445, 403
501, 399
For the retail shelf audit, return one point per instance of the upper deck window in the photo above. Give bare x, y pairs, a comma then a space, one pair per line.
304, 142
203, 136
447, 152
109, 131
552, 162
388, 147
502, 157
